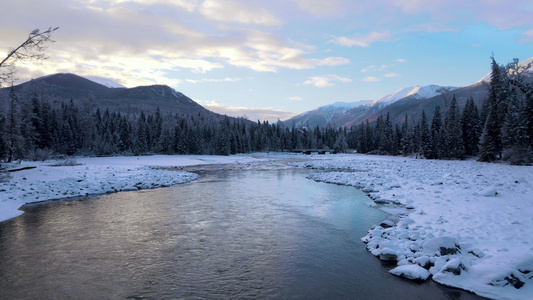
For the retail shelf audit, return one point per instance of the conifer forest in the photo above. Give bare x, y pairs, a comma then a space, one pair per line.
500, 129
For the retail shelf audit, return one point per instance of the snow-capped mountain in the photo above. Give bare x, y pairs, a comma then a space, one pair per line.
416, 92
64, 87
105, 82
322, 115
525, 63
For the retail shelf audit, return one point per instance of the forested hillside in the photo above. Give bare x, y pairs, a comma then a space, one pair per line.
38, 126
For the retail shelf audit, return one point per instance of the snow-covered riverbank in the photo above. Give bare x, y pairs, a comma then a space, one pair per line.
99, 175
466, 224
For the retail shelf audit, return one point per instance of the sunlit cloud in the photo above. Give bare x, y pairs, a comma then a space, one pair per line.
401, 60
263, 114
371, 79
236, 12
527, 36
391, 75
362, 40
295, 98
326, 80
227, 79
375, 68
319, 7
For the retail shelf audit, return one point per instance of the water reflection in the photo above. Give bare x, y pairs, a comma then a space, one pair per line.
246, 235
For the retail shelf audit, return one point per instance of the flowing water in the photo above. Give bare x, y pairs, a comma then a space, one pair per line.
259, 234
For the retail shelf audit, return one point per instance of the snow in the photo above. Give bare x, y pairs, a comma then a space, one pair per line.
419, 92
461, 223
99, 175
414, 272
105, 82
524, 63
467, 223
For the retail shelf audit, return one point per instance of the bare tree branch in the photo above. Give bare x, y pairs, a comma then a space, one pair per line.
31, 49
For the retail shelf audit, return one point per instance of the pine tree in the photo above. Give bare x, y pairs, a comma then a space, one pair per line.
496, 109
437, 144
490, 144
471, 128
406, 137
454, 136
515, 138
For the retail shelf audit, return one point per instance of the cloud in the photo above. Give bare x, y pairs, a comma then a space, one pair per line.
326, 80
227, 79
362, 40
375, 68
134, 43
263, 114
236, 12
527, 36
295, 98
319, 7
401, 60
391, 75
371, 79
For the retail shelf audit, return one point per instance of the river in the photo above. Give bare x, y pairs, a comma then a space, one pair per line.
255, 234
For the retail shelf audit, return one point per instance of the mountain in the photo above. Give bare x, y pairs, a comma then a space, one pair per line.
106, 82
528, 63
322, 115
414, 92
411, 101
372, 110
63, 87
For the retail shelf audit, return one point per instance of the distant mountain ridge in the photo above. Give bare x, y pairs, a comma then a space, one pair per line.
105, 82
336, 115
411, 101
322, 115
65, 87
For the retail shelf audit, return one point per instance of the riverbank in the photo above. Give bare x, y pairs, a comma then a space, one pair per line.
464, 224
50, 180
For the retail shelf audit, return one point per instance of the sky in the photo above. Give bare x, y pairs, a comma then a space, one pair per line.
272, 59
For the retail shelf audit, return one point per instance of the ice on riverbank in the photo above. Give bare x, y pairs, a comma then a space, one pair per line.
99, 175
468, 224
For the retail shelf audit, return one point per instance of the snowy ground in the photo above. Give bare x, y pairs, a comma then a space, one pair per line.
463, 223
99, 175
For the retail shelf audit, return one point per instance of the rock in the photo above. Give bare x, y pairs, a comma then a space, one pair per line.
490, 192
413, 272
441, 246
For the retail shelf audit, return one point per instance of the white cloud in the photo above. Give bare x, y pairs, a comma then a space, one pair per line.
264, 114
227, 79
371, 79
401, 60
326, 80
375, 68
236, 12
527, 36
295, 98
319, 7
362, 40
391, 75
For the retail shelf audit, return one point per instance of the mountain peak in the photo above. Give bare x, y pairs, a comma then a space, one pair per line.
105, 82
415, 91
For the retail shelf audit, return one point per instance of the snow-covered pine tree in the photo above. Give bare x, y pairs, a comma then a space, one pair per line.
437, 144
452, 125
471, 128
515, 138
496, 107
426, 147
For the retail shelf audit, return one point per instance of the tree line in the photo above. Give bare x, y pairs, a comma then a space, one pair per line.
37, 129
501, 129
34, 128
